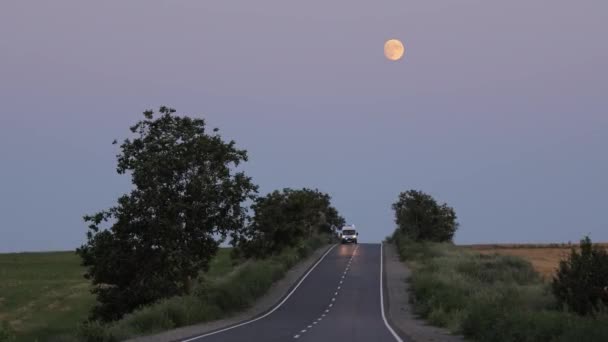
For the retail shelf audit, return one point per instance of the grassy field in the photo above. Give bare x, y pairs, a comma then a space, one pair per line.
544, 258
490, 297
43, 296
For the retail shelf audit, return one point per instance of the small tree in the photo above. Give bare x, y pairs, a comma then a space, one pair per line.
283, 219
165, 231
581, 281
421, 218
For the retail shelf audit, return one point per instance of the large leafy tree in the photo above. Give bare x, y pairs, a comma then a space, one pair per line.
186, 199
420, 217
285, 218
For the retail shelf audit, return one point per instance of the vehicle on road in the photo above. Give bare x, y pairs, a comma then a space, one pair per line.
349, 234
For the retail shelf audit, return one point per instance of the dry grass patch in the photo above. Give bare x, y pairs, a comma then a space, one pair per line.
545, 258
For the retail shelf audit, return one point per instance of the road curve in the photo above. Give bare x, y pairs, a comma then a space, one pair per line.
339, 299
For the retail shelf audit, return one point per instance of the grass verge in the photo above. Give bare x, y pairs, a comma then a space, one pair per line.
213, 298
490, 298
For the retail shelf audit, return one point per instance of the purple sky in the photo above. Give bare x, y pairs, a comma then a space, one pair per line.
499, 108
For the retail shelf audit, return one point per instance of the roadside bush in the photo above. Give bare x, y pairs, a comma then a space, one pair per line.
489, 298
585, 329
6, 332
152, 318
581, 282
95, 331
411, 250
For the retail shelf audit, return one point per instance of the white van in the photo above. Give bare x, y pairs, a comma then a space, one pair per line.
349, 234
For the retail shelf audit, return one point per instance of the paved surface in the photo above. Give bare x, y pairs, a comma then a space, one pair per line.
339, 300
274, 295
400, 312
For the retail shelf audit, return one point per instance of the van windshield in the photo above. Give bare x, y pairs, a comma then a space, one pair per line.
348, 232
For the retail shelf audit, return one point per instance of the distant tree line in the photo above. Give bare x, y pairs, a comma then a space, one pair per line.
187, 198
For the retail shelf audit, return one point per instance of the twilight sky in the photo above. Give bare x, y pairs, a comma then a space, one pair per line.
499, 107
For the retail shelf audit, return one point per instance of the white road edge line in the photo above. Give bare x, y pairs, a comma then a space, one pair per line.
382, 297
273, 309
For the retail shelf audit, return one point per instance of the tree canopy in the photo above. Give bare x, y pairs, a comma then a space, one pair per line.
186, 198
284, 218
419, 216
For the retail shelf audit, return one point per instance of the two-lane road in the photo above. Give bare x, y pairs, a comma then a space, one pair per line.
339, 299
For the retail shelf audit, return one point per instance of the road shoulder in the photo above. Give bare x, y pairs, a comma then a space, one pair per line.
399, 311
274, 295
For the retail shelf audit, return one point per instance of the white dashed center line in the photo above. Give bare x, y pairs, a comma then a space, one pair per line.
333, 299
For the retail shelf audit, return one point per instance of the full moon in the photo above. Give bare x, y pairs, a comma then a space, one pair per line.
393, 49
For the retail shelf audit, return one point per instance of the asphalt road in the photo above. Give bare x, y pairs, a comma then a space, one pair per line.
338, 300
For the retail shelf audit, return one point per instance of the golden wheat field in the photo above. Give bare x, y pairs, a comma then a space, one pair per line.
544, 257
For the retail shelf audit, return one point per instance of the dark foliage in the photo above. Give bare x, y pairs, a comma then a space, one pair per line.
165, 231
420, 217
489, 298
285, 218
581, 281
6, 332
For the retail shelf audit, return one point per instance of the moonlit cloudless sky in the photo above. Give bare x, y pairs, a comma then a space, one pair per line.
499, 108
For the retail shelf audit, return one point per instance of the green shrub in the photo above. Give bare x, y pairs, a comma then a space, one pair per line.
585, 329
151, 318
410, 250
489, 298
94, 331
6, 332
290, 257
581, 282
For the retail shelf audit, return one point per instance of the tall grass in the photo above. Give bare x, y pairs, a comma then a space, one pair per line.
213, 298
489, 298
6, 333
